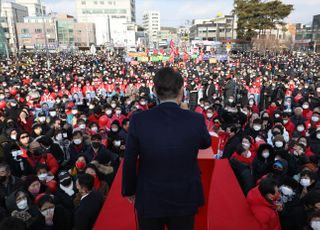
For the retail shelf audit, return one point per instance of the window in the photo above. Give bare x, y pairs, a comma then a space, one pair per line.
25, 31
37, 31
50, 40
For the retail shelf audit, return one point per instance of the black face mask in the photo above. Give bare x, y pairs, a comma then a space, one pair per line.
66, 182
96, 145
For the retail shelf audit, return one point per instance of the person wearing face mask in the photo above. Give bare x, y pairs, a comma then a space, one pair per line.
38, 155
65, 193
314, 141
99, 185
94, 117
297, 117
307, 112
77, 147
291, 205
55, 216
262, 163
262, 201
209, 116
313, 221
255, 129
36, 131
240, 162
79, 166
19, 205
106, 161
118, 116
143, 104
307, 182
8, 183
106, 119
34, 187
45, 178
288, 124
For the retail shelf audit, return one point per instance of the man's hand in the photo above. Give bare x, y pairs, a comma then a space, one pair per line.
131, 199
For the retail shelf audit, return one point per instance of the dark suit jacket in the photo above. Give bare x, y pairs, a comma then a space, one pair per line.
88, 210
167, 140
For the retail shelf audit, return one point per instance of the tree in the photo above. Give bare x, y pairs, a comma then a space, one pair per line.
256, 16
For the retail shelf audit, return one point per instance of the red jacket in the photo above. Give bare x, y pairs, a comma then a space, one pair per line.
265, 213
47, 159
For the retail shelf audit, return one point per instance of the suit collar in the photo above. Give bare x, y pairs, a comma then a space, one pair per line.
169, 104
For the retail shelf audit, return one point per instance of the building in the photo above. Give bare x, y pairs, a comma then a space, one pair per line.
70, 33
216, 29
13, 13
104, 12
151, 25
303, 36
31, 34
60, 30
35, 7
316, 32
165, 35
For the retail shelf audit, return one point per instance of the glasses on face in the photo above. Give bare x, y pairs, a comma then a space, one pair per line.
24, 137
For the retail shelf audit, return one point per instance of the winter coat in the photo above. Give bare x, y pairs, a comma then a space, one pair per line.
265, 213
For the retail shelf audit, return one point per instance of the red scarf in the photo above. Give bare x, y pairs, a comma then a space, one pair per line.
97, 182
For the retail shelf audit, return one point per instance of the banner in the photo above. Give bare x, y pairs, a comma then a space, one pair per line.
155, 59
165, 58
137, 54
143, 59
212, 61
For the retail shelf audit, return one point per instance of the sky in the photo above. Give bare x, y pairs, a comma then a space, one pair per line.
177, 12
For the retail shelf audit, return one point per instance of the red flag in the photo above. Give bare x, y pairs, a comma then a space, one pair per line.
155, 51
161, 51
176, 52
147, 50
172, 44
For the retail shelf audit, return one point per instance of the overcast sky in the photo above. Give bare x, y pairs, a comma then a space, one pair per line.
176, 12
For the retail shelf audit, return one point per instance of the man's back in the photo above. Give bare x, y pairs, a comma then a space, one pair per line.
88, 210
167, 140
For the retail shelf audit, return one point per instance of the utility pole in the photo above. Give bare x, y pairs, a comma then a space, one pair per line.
45, 35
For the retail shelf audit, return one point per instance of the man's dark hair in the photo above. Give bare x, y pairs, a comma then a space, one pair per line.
86, 180
267, 186
10, 223
167, 83
96, 137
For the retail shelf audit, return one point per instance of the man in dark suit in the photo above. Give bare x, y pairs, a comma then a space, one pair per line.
166, 187
91, 202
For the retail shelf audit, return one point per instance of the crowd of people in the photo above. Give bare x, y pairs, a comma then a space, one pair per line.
64, 128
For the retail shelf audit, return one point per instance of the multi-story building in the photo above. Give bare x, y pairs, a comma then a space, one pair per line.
61, 31
35, 7
316, 32
216, 29
166, 34
303, 36
102, 13
13, 13
151, 25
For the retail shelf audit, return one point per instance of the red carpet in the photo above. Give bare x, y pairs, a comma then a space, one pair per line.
226, 207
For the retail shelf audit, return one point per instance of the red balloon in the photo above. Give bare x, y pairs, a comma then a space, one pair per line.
2, 104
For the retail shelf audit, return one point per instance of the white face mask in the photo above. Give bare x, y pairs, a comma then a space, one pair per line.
109, 112
248, 154
279, 144
65, 135
77, 141
94, 129
305, 182
22, 204
47, 212
286, 190
265, 154
315, 225
257, 127
43, 176
59, 137
305, 106
74, 112
14, 137
113, 105
300, 128
209, 115
315, 118
318, 136
82, 126
143, 102
53, 113
91, 106
42, 119
118, 112
231, 100
245, 145
114, 130
117, 143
